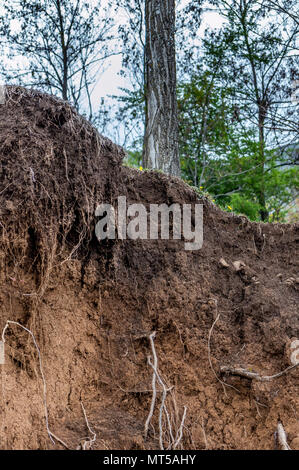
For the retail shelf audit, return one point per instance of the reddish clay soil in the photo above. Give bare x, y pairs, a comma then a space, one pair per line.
92, 306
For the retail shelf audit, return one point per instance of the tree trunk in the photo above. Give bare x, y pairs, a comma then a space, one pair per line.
64, 79
160, 150
261, 196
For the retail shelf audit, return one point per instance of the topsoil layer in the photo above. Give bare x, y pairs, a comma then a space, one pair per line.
92, 306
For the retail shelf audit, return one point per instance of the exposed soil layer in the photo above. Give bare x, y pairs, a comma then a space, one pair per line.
92, 305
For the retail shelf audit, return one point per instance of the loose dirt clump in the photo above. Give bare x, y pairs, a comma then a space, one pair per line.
92, 305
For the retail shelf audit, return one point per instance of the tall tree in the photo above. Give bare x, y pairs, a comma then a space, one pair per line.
220, 155
57, 44
131, 102
161, 149
260, 66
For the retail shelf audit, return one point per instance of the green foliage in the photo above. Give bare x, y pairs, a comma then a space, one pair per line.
237, 114
133, 159
220, 156
242, 205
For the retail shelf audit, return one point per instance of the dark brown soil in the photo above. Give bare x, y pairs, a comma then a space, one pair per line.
92, 306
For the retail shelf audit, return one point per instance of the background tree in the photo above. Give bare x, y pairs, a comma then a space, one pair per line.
237, 118
131, 101
219, 154
57, 45
160, 149
260, 66
252, 62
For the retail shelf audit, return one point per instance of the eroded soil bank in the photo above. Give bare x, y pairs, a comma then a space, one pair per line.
92, 306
